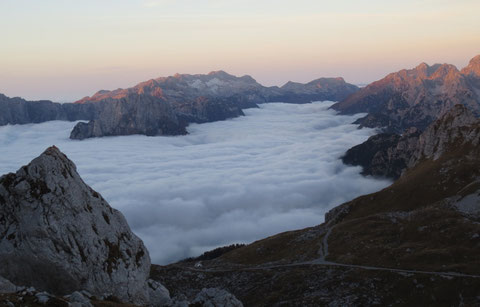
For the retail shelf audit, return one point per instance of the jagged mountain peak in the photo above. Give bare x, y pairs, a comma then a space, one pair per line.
52, 160
473, 67
59, 235
414, 97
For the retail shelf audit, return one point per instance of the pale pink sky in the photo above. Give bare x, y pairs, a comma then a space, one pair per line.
64, 50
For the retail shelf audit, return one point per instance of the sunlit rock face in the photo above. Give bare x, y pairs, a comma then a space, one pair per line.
415, 97
59, 235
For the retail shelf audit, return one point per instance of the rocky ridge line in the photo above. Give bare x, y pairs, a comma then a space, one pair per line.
415, 97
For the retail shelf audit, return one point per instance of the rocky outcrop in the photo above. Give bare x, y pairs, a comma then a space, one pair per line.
203, 110
59, 235
415, 97
131, 115
213, 297
457, 127
383, 155
389, 155
473, 68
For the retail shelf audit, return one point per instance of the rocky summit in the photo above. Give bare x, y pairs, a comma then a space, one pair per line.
415, 97
62, 244
59, 235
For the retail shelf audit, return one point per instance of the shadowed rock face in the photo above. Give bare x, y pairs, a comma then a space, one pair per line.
415, 97
19, 111
131, 115
59, 235
389, 155
383, 155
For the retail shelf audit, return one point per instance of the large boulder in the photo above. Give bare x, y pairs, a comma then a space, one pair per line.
213, 297
59, 235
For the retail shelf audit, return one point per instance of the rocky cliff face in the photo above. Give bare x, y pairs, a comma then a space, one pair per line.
389, 155
457, 127
415, 97
131, 115
19, 111
59, 235
383, 155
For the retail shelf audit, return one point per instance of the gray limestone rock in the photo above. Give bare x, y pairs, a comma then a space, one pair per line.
390, 155
60, 236
78, 299
214, 297
6, 286
43, 297
158, 294
131, 115
450, 128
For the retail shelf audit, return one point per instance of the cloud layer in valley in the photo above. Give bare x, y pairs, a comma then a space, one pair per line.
234, 181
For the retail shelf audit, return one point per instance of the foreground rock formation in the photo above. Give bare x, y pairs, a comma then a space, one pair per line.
59, 235
61, 243
415, 97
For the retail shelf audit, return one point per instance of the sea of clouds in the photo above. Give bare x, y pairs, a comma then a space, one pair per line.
235, 181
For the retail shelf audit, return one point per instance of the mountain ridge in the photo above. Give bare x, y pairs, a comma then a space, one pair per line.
415, 97
176, 100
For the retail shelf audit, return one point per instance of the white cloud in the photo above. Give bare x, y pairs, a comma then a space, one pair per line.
240, 180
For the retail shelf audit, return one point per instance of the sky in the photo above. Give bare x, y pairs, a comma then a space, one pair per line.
233, 181
64, 50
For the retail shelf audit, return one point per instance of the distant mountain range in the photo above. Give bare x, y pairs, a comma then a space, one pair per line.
415, 97
165, 106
